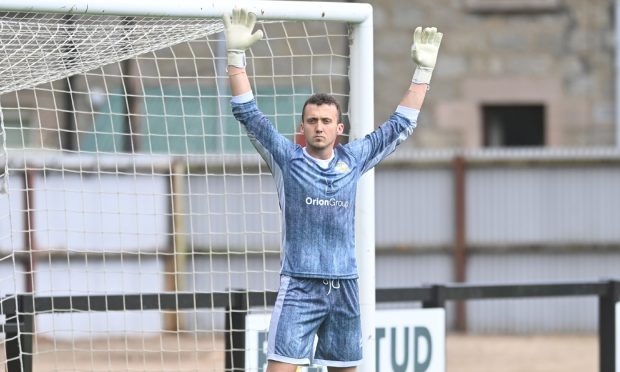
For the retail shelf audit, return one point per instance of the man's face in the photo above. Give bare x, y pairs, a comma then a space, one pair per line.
321, 127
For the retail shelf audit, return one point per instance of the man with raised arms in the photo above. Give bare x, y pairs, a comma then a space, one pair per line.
316, 185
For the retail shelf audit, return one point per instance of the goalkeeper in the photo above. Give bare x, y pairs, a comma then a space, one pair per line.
316, 187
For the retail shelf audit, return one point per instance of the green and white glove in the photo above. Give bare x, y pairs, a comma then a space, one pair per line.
424, 52
238, 30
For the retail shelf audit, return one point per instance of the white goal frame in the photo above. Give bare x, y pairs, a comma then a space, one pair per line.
361, 97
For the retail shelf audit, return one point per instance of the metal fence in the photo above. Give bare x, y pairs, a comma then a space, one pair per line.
20, 311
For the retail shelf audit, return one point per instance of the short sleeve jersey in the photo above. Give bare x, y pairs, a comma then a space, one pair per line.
318, 204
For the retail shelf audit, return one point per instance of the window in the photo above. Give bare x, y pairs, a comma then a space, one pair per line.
18, 127
513, 125
186, 120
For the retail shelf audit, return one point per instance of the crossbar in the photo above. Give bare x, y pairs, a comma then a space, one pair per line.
268, 10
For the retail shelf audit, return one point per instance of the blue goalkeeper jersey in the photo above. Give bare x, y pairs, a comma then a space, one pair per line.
318, 204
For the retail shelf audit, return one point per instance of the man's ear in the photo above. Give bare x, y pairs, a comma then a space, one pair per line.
340, 128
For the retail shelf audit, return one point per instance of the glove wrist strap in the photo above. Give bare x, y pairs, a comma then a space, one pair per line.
422, 75
236, 58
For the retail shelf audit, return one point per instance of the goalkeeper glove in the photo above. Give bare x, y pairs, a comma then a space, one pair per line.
424, 52
239, 37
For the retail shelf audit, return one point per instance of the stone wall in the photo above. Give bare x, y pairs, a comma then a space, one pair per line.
558, 53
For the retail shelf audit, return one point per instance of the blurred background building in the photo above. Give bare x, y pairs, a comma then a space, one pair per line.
510, 72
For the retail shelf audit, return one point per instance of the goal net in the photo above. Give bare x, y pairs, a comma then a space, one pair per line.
137, 223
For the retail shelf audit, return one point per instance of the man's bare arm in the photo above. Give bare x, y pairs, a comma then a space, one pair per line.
239, 82
414, 96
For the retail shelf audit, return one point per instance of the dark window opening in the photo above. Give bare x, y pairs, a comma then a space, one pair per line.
513, 125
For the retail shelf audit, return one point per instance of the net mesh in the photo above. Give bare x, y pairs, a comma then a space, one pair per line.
39, 48
126, 176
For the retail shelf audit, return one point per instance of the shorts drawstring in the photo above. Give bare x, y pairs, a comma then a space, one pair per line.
332, 283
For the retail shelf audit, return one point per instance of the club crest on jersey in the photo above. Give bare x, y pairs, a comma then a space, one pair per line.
341, 167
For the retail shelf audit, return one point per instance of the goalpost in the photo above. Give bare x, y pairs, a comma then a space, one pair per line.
123, 172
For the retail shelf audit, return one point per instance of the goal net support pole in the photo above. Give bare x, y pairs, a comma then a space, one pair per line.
362, 117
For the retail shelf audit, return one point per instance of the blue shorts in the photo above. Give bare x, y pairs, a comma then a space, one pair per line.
308, 307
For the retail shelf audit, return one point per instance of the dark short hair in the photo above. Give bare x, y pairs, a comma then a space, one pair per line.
322, 99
